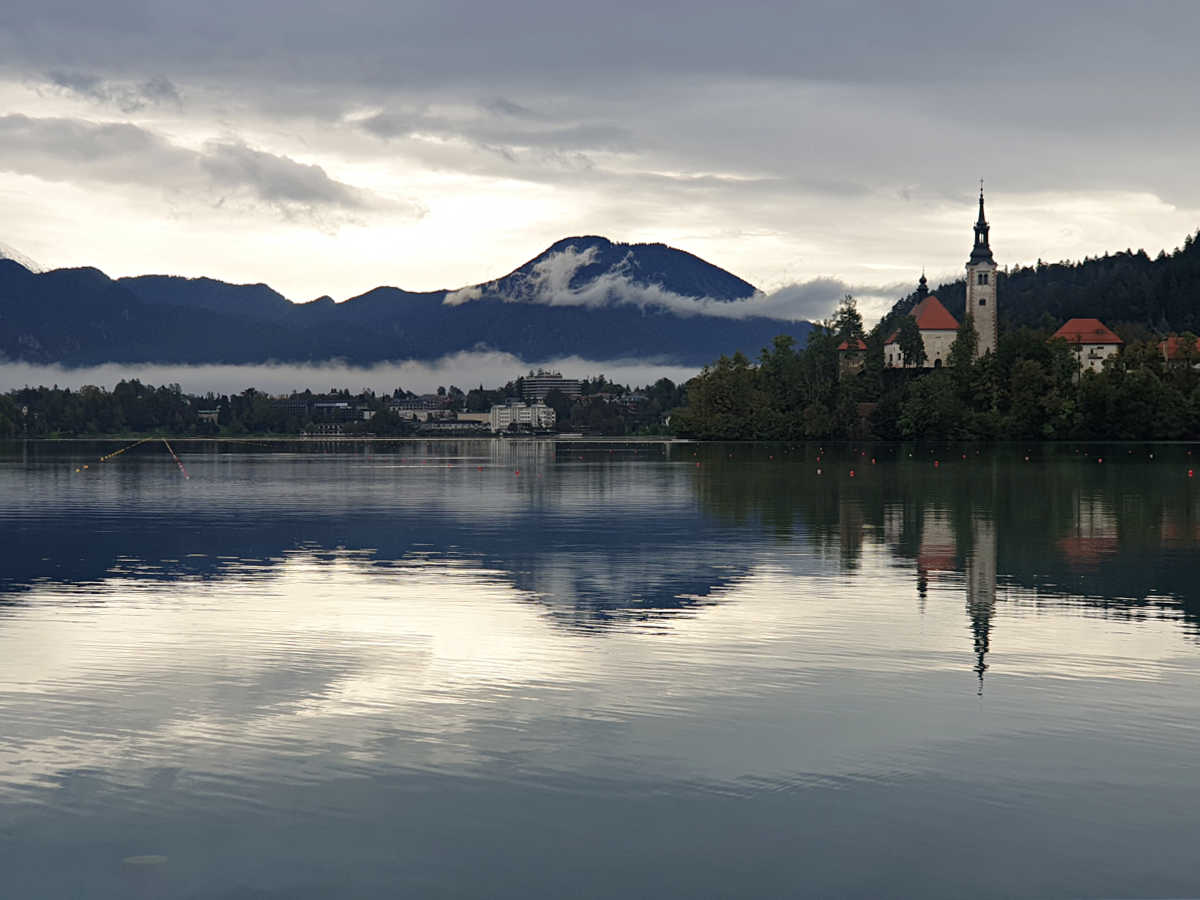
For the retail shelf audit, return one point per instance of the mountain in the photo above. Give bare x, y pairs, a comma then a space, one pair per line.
1126, 288
7, 252
585, 296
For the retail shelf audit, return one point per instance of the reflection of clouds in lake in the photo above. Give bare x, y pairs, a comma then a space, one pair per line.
325, 668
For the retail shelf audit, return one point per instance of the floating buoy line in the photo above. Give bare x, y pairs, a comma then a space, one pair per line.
107, 456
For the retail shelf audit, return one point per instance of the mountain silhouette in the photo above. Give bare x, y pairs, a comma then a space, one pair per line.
584, 296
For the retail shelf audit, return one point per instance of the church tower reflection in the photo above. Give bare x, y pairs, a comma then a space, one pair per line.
981, 589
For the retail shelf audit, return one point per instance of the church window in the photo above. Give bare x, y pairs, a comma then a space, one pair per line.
983, 301
983, 278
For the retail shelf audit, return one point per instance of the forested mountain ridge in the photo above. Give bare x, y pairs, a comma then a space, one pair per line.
1127, 288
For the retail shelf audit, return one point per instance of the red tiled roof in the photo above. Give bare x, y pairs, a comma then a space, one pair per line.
930, 316
1087, 331
845, 345
1170, 347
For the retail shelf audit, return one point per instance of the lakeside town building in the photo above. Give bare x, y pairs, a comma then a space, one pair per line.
535, 416
539, 386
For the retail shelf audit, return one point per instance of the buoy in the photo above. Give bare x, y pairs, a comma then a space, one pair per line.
149, 859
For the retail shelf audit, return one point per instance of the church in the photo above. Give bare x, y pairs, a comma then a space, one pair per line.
937, 326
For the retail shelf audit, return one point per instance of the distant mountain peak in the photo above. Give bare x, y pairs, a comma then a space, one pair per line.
593, 271
7, 252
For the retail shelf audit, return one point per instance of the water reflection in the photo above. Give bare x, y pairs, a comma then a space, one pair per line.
548, 668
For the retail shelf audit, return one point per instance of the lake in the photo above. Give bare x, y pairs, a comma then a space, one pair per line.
547, 669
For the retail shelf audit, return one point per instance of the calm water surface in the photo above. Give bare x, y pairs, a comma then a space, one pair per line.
538, 669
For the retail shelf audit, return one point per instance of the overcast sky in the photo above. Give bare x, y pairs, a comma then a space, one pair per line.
327, 148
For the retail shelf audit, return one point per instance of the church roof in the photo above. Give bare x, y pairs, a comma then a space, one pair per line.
860, 345
930, 316
1086, 331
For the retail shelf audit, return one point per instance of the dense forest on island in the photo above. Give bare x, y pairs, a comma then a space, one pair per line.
1030, 388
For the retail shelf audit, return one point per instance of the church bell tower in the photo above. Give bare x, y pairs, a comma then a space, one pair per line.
981, 286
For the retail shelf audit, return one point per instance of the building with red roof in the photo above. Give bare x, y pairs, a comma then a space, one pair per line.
938, 331
1092, 341
1173, 348
852, 355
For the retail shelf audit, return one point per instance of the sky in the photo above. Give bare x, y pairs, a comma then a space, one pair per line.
808, 147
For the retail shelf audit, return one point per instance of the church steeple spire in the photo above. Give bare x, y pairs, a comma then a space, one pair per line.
922, 287
981, 252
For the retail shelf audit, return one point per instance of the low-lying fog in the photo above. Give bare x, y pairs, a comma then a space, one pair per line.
465, 370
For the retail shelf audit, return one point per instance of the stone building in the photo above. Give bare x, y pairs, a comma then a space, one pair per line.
982, 286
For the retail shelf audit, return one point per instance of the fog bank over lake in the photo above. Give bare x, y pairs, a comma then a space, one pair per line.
466, 370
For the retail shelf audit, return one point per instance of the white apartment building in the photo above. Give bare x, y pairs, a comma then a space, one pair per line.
537, 416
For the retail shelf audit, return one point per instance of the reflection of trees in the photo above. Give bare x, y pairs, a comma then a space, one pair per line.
605, 541
1122, 535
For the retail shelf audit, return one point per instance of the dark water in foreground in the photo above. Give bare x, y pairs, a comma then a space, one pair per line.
408, 670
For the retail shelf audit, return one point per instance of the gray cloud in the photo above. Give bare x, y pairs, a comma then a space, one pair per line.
851, 131
502, 135
127, 97
222, 171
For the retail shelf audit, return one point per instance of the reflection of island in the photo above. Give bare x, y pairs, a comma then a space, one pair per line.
1093, 537
1120, 536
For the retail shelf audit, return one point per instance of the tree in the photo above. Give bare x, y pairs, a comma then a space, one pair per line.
962, 351
912, 346
847, 321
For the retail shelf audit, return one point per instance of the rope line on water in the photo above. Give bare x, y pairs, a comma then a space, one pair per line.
178, 461
109, 456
